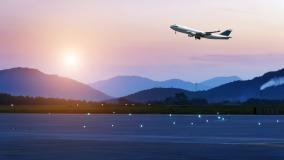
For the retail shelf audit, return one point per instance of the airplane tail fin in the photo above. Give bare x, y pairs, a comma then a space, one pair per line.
226, 32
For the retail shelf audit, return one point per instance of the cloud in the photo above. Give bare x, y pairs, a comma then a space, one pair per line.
273, 82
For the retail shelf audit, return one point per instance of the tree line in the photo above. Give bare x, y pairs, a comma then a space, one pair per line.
177, 99
6, 99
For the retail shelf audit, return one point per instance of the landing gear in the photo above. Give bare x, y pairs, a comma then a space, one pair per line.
197, 37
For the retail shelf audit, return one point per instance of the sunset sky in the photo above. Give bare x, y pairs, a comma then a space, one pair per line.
90, 40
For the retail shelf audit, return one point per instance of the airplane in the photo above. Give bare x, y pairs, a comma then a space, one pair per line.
200, 34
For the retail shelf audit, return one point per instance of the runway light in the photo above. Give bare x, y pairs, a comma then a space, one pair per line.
219, 117
129, 114
223, 119
192, 123
113, 112
277, 121
88, 114
112, 125
199, 116
207, 120
170, 115
141, 125
84, 126
259, 123
174, 123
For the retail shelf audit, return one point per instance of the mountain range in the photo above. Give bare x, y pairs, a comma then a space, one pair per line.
31, 82
124, 85
268, 86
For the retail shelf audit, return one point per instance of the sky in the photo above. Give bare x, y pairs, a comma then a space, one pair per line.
90, 40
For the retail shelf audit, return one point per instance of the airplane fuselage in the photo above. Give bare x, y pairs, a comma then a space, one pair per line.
196, 33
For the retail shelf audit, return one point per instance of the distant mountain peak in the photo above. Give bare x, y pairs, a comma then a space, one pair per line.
272, 74
32, 82
124, 85
217, 81
269, 86
21, 69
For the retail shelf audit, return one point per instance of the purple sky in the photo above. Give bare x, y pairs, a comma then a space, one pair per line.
105, 38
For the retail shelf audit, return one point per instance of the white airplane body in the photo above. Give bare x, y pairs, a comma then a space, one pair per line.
200, 34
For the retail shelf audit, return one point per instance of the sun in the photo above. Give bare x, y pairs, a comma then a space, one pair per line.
71, 58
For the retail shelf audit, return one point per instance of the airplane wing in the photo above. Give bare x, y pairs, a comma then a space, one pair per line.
208, 33
191, 34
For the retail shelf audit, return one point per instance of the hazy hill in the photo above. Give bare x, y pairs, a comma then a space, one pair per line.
218, 81
125, 85
31, 82
154, 94
268, 86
